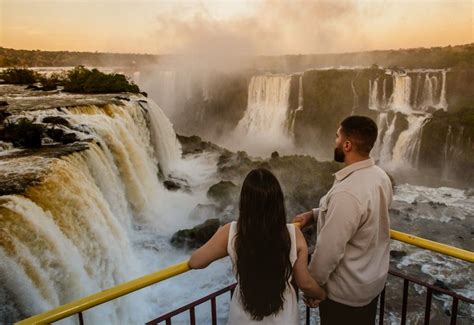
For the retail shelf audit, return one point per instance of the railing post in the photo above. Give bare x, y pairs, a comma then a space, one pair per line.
192, 316
429, 293
213, 311
382, 306
405, 302
81, 318
308, 315
454, 311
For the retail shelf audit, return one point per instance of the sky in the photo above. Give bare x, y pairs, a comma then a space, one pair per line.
249, 27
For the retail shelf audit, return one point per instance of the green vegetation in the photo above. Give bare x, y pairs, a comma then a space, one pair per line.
82, 80
36, 58
461, 56
77, 80
19, 76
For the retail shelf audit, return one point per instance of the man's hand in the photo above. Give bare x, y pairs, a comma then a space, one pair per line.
311, 302
304, 219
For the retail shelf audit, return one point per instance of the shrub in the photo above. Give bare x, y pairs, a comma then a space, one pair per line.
82, 80
19, 76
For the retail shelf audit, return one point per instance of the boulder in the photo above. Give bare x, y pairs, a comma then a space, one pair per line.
176, 184
223, 193
197, 236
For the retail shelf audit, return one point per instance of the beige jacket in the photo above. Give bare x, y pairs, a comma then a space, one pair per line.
351, 257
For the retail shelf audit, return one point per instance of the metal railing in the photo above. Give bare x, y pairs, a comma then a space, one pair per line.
82, 304
431, 289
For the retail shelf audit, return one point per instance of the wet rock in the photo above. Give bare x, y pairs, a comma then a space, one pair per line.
3, 103
23, 133
397, 254
197, 236
194, 144
275, 154
223, 193
56, 120
61, 136
123, 98
436, 205
440, 284
176, 184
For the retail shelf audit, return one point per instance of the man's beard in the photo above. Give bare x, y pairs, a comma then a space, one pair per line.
339, 154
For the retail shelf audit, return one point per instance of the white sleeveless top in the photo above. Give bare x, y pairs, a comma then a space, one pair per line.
288, 315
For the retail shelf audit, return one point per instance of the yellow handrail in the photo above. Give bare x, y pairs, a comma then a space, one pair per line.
85, 303
462, 254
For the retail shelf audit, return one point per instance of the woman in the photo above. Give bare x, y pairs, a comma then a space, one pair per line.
266, 255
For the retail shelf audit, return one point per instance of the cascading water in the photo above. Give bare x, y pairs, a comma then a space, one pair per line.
265, 122
292, 119
400, 99
414, 96
166, 145
74, 233
406, 150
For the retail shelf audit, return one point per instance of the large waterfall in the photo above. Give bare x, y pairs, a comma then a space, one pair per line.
415, 95
266, 125
74, 233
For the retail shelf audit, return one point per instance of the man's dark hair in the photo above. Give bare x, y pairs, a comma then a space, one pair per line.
361, 130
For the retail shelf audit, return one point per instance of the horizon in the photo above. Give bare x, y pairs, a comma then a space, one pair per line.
254, 55
242, 28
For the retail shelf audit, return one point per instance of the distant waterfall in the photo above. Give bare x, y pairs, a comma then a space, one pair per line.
387, 142
373, 94
292, 118
406, 150
265, 121
443, 104
400, 99
415, 95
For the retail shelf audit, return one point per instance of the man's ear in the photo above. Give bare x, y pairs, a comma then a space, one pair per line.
347, 146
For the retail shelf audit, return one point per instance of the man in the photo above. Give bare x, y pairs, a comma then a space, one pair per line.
351, 257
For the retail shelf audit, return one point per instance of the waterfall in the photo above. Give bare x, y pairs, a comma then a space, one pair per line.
60, 241
373, 94
427, 95
73, 234
407, 147
443, 104
265, 121
400, 99
384, 94
293, 114
387, 142
166, 145
382, 126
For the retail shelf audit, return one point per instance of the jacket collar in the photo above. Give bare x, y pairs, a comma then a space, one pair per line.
346, 171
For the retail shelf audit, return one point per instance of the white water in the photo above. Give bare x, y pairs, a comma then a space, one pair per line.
264, 127
406, 150
400, 98
99, 218
166, 145
414, 98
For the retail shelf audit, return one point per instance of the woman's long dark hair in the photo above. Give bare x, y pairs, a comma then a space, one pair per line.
262, 245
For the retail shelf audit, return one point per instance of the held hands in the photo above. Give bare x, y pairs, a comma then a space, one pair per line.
311, 302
